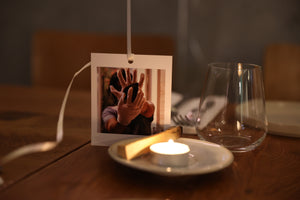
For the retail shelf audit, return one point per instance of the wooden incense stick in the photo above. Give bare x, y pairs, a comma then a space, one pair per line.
139, 147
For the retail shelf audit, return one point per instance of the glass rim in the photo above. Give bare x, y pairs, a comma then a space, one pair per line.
228, 65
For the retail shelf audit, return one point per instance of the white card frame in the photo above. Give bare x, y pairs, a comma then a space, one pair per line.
149, 62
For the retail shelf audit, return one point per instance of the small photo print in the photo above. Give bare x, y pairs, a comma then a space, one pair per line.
130, 101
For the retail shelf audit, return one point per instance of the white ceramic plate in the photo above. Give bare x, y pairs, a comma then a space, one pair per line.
283, 118
205, 157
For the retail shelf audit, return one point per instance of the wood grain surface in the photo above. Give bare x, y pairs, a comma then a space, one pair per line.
77, 170
270, 172
29, 115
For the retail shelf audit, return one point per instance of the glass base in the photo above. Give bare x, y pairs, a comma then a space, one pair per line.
235, 143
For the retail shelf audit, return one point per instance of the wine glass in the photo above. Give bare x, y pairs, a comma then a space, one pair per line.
232, 107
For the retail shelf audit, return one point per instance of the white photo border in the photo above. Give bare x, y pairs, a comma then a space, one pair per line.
121, 61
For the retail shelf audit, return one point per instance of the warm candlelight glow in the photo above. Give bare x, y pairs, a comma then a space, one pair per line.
170, 148
240, 69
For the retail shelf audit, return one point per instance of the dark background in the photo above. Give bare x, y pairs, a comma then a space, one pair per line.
204, 30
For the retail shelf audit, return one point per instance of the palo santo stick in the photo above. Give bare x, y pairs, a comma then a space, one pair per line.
139, 147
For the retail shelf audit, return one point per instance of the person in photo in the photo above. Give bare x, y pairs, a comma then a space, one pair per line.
132, 113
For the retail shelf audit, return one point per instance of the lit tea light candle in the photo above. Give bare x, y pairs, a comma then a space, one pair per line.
170, 153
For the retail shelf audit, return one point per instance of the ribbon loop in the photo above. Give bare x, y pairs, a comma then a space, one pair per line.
130, 55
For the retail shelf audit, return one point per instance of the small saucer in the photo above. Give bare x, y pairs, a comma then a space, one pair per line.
204, 157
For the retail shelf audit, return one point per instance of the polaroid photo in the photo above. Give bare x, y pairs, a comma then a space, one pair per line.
129, 100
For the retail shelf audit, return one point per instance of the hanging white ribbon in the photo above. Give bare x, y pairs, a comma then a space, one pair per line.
49, 145
129, 53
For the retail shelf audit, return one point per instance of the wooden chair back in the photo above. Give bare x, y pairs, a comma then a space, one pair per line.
56, 56
282, 72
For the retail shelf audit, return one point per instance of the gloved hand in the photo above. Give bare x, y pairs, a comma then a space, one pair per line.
127, 111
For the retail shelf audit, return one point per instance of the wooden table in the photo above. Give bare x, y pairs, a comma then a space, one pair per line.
77, 170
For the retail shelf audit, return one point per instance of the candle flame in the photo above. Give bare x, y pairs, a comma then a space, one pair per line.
170, 148
171, 141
